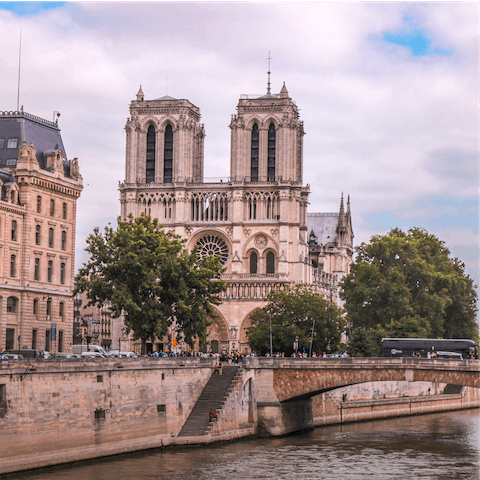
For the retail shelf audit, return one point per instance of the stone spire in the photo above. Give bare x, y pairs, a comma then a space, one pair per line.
284, 91
140, 95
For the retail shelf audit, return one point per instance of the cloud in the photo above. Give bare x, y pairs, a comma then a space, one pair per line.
396, 131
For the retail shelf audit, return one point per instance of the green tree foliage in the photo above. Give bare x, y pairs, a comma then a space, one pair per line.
149, 275
292, 311
406, 285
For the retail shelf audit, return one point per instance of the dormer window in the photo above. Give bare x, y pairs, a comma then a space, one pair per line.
150, 167
12, 143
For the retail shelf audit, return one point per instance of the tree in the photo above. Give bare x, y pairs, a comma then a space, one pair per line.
149, 275
292, 311
406, 285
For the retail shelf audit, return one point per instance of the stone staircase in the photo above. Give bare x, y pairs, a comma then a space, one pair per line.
212, 397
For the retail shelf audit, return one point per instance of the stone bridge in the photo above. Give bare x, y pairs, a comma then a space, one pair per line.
284, 387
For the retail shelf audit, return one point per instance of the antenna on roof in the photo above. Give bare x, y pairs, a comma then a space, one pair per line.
19, 59
268, 82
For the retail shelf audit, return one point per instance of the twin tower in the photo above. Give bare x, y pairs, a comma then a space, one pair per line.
256, 221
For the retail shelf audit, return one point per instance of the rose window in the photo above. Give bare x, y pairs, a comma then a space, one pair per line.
213, 246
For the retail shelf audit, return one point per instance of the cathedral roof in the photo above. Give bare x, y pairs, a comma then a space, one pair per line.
166, 97
324, 226
24, 127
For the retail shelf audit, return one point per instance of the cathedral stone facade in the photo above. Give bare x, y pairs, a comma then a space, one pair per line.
38, 202
256, 221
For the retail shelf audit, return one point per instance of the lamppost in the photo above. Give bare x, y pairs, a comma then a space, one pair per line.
311, 338
271, 348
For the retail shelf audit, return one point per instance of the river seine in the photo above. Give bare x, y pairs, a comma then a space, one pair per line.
443, 446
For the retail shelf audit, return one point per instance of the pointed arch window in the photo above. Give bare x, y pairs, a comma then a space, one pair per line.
168, 155
253, 263
270, 263
254, 154
272, 134
150, 167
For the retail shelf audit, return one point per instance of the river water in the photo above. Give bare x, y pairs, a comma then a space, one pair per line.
443, 446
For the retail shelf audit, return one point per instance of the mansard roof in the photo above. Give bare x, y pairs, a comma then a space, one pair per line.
324, 226
24, 127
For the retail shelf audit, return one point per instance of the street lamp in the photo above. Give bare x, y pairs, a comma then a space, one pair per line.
311, 338
295, 345
271, 348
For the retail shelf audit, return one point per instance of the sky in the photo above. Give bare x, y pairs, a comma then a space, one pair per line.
388, 93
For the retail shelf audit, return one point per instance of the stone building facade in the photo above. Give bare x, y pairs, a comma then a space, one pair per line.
39, 192
256, 220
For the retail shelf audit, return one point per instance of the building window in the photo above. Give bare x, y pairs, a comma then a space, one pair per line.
64, 240
52, 207
64, 211
150, 168
34, 339
14, 230
60, 341
49, 271
254, 154
13, 259
11, 305
37, 235
168, 155
271, 153
62, 273
253, 263
2, 143
50, 237
39, 204
213, 246
35, 306
37, 269
270, 262
61, 310
49, 308
12, 143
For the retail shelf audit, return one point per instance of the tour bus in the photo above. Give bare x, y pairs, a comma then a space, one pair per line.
410, 347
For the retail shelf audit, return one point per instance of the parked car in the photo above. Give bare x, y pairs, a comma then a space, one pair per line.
11, 356
92, 355
26, 352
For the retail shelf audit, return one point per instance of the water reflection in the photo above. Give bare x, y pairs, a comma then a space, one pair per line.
439, 446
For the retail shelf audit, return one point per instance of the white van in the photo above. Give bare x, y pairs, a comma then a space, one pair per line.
79, 349
92, 354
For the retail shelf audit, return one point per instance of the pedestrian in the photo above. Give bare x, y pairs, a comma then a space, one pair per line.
212, 415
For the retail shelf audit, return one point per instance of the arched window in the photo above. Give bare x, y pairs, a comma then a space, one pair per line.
13, 259
64, 239
64, 211
49, 271
37, 269
253, 263
270, 262
168, 155
62, 273
39, 204
14, 230
50, 237
35, 306
150, 169
49, 308
11, 305
271, 153
61, 309
254, 154
52, 207
37, 235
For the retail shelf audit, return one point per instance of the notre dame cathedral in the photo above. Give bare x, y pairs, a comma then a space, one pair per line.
256, 221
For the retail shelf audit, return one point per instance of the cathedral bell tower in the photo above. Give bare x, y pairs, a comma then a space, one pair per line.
164, 141
266, 139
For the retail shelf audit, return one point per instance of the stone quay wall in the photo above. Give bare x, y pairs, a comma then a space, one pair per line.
54, 412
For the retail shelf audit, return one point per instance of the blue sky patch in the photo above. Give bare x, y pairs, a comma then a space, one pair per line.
29, 8
414, 38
